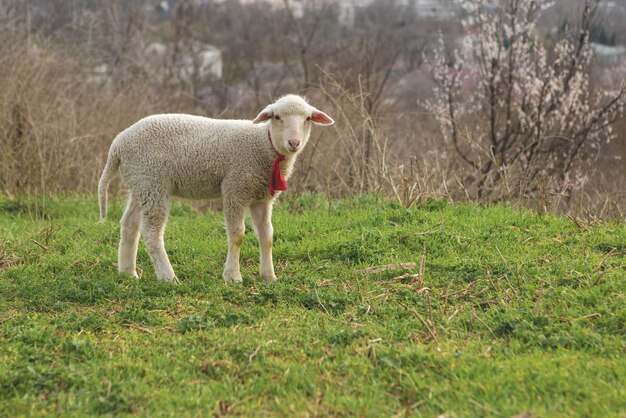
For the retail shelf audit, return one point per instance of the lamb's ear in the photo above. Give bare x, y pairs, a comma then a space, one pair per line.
320, 118
266, 114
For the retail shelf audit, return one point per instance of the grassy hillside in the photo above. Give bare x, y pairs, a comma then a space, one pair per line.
516, 313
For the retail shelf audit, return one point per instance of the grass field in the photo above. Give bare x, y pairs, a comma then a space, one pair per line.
517, 313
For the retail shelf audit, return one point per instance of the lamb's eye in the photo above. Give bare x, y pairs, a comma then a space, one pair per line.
277, 117
308, 119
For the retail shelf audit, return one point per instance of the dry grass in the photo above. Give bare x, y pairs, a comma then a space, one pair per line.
56, 124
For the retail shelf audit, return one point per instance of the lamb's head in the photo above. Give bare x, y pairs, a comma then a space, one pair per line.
290, 119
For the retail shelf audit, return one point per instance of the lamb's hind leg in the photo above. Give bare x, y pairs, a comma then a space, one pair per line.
129, 238
155, 209
235, 229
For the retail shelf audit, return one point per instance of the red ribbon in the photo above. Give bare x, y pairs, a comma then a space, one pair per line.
277, 180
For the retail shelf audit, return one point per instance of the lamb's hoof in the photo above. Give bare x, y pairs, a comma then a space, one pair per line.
170, 280
232, 278
132, 274
270, 279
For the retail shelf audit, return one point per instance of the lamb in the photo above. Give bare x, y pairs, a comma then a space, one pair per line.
246, 163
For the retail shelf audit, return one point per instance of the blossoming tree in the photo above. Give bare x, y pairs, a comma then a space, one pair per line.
533, 119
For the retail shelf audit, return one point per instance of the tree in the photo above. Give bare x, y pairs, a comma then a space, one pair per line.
532, 120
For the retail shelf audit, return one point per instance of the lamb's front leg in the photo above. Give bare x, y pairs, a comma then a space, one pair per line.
262, 218
235, 228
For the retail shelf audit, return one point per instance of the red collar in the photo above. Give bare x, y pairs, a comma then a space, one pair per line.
269, 136
277, 180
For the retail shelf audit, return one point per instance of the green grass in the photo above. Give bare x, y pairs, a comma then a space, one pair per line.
517, 313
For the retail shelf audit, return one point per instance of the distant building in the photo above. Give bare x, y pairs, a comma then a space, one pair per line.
296, 6
609, 55
347, 13
198, 62
438, 10
441, 10
432, 10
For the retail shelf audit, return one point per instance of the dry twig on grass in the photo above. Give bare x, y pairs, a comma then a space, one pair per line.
396, 266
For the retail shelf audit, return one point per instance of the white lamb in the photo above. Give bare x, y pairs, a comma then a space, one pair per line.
244, 162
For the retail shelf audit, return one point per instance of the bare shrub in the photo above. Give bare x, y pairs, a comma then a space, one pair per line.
55, 123
349, 166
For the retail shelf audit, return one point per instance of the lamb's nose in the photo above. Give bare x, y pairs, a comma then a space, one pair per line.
294, 143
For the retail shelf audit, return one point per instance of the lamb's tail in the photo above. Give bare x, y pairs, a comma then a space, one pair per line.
113, 163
